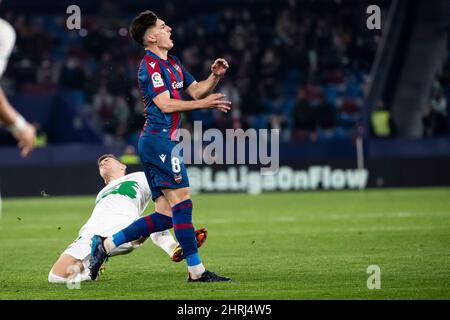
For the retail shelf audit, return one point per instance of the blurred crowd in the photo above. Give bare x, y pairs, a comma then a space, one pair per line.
435, 117
300, 69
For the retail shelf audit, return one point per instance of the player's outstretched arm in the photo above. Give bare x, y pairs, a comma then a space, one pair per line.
200, 90
22, 131
213, 101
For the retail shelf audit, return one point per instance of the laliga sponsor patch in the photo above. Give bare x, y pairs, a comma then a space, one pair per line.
157, 80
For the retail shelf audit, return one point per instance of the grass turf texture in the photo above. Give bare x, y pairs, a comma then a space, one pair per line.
274, 246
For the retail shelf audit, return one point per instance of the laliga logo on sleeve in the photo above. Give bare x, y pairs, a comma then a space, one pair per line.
157, 80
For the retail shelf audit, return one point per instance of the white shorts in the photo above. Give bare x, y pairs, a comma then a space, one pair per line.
80, 249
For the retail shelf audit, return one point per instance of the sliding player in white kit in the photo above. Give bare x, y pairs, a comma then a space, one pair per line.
117, 205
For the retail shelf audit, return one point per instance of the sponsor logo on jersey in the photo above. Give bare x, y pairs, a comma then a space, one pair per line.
177, 67
177, 85
157, 80
152, 64
126, 188
178, 178
162, 157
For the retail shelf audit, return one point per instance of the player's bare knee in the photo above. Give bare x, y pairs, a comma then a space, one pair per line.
56, 273
66, 267
184, 194
162, 206
175, 196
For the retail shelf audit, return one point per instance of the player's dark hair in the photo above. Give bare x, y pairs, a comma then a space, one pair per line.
108, 155
140, 24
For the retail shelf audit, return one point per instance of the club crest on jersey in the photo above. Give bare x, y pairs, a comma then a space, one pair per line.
157, 80
178, 178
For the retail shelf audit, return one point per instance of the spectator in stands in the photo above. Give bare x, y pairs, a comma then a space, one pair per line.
304, 120
325, 115
439, 109
380, 121
232, 93
130, 156
435, 118
121, 114
72, 75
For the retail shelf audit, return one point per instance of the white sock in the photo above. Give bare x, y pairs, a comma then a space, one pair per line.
84, 275
165, 241
53, 278
196, 271
109, 244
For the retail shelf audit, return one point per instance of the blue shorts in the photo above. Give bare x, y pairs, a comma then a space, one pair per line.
163, 164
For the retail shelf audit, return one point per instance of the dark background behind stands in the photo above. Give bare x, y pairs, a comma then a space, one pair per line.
301, 66
298, 66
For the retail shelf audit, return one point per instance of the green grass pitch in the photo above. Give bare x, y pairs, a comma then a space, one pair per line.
308, 245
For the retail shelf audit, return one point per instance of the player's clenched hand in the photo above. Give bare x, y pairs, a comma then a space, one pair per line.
219, 67
26, 138
216, 101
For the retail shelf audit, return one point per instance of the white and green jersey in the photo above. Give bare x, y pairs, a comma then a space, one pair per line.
118, 204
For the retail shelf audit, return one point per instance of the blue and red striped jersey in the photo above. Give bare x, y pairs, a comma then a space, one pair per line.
156, 76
